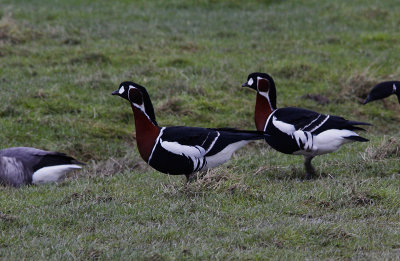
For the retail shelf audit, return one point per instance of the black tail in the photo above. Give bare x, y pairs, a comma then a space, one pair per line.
244, 134
357, 138
352, 123
359, 123
56, 158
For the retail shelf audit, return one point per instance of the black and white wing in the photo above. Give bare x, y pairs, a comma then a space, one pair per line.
311, 121
184, 150
302, 126
200, 142
181, 150
188, 141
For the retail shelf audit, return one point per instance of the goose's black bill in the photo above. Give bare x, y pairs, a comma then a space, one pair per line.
366, 100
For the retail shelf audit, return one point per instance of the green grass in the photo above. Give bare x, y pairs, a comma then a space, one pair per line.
60, 61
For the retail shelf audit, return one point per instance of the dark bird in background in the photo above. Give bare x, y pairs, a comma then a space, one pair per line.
24, 165
383, 90
179, 150
295, 130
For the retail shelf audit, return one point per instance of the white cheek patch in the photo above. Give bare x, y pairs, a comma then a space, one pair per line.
394, 88
250, 82
121, 90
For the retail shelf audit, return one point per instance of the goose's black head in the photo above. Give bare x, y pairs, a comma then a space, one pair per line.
263, 84
138, 97
383, 90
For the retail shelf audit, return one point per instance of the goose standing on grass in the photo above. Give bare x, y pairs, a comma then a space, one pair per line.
298, 131
179, 150
24, 165
383, 90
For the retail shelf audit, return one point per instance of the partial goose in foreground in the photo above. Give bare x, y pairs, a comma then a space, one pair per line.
383, 90
298, 131
179, 150
25, 165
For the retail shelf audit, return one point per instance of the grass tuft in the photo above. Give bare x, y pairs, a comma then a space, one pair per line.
359, 84
389, 148
10, 31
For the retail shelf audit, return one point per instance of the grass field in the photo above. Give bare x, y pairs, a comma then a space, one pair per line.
60, 61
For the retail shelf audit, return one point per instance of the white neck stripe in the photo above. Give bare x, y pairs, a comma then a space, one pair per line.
155, 144
141, 108
266, 96
268, 119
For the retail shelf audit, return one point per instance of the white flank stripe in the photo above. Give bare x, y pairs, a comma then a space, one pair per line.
155, 144
311, 122
299, 136
283, 126
179, 149
213, 143
322, 123
52, 173
309, 144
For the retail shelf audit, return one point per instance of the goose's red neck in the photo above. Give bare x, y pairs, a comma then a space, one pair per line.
146, 133
262, 111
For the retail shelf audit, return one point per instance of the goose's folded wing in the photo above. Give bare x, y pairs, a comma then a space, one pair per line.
339, 123
292, 119
189, 141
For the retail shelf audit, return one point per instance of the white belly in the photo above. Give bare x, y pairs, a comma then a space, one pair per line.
224, 155
327, 142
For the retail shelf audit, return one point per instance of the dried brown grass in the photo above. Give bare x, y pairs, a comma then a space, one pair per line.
113, 166
220, 180
389, 148
358, 84
13, 32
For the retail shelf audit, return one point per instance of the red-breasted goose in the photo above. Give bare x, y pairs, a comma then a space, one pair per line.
295, 130
179, 150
